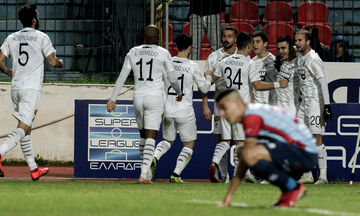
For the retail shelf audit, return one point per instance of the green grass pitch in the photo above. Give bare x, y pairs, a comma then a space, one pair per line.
127, 198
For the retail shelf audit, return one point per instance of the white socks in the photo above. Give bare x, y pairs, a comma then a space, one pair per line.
322, 161
141, 147
223, 166
11, 141
236, 160
161, 148
27, 150
220, 149
148, 155
183, 160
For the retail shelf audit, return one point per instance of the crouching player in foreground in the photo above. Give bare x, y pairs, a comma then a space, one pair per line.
180, 115
289, 152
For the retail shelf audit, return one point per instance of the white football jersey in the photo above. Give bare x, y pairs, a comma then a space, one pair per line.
266, 70
27, 49
150, 65
213, 59
188, 73
287, 97
235, 71
310, 68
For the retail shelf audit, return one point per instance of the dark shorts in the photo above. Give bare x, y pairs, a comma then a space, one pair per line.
290, 158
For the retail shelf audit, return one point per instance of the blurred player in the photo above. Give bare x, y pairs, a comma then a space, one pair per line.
27, 49
289, 152
180, 115
150, 64
286, 98
239, 73
315, 97
228, 40
264, 64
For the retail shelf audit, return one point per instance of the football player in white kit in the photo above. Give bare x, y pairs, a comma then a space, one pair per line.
286, 98
27, 49
180, 115
315, 98
228, 48
239, 73
151, 65
264, 63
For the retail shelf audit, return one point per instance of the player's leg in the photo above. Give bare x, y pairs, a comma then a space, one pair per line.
22, 114
274, 162
322, 160
153, 110
188, 134
307, 177
169, 135
317, 127
223, 165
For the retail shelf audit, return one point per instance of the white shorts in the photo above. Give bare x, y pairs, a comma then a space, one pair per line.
149, 111
217, 126
312, 115
231, 131
185, 125
25, 102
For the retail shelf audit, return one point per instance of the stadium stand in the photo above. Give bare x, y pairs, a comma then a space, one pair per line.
325, 33
278, 11
242, 27
275, 30
244, 11
312, 13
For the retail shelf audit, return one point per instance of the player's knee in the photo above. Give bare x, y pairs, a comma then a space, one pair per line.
251, 156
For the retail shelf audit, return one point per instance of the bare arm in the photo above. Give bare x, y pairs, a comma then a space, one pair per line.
264, 86
3, 67
54, 61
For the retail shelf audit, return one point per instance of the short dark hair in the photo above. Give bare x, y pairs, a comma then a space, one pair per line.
284, 38
290, 41
183, 41
224, 94
242, 40
306, 33
231, 28
261, 34
27, 13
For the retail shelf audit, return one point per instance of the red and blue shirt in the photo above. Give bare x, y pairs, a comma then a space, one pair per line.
275, 124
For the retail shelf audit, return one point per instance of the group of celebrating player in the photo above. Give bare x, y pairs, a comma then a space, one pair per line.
270, 140
277, 143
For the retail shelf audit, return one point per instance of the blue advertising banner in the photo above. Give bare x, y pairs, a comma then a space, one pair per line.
106, 144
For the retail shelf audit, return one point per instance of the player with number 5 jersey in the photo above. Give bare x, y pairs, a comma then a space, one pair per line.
27, 49
151, 65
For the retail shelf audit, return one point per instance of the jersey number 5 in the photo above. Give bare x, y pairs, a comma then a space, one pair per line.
236, 81
141, 72
22, 52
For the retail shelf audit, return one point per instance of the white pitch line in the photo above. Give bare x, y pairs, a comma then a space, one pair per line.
308, 210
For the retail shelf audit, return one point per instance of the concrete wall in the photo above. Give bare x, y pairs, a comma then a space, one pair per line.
56, 141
